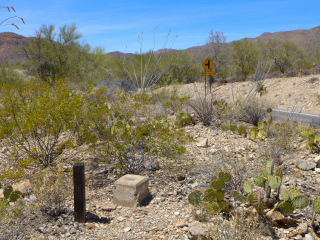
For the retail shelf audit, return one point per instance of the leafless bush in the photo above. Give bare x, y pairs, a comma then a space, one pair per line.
203, 106
251, 111
279, 141
240, 226
51, 187
292, 72
313, 80
275, 74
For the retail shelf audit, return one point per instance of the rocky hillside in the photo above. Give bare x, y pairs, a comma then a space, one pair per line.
10, 47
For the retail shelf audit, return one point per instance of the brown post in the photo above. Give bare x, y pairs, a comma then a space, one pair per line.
79, 193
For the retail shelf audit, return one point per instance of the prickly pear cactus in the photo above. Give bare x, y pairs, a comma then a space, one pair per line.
238, 196
316, 204
256, 202
274, 182
286, 207
242, 130
212, 207
253, 135
14, 196
247, 186
260, 133
225, 176
233, 128
7, 191
225, 126
294, 192
300, 202
218, 184
210, 196
285, 195
260, 181
195, 198
305, 133
260, 125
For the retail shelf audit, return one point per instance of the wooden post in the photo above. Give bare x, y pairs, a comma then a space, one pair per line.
79, 193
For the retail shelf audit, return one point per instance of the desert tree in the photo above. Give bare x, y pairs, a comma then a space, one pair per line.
244, 57
287, 55
219, 52
55, 55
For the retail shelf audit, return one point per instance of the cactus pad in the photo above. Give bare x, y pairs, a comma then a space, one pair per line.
14, 196
195, 198
316, 204
209, 195
260, 134
7, 191
212, 207
233, 128
238, 196
225, 126
247, 186
225, 206
286, 208
242, 130
294, 192
217, 184
224, 176
274, 182
279, 173
253, 135
260, 181
260, 125
285, 195
305, 133
219, 195
300, 202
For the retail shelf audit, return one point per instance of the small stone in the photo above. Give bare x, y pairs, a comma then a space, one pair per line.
203, 143
317, 170
176, 213
306, 165
107, 208
197, 229
121, 218
308, 237
127, 229
181, 223
42, 229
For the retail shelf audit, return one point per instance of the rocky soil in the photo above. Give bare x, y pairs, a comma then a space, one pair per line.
167, 214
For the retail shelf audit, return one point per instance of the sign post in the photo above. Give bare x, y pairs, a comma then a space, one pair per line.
79, 193
207, 64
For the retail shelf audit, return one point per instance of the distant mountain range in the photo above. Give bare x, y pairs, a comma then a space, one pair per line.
10, 43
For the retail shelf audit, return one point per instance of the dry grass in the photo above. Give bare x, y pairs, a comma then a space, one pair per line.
238, 227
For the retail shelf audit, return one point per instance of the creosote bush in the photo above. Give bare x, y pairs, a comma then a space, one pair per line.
38, 121
51, 187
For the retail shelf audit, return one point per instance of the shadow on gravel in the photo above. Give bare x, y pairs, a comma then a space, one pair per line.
91, 217
147, 201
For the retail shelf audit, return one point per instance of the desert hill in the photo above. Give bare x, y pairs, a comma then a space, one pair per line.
10, 43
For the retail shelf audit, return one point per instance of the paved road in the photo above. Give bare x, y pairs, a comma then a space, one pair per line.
279, 115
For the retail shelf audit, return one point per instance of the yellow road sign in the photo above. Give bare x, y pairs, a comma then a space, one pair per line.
207, 73
208, 64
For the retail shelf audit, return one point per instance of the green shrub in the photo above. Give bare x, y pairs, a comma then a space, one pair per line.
38, 120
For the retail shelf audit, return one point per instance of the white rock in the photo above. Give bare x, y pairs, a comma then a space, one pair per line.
197, 228
203, 143
127, 229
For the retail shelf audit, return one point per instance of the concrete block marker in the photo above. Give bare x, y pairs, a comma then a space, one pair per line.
130, 190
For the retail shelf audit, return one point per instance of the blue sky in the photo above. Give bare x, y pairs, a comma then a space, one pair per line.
117, 24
